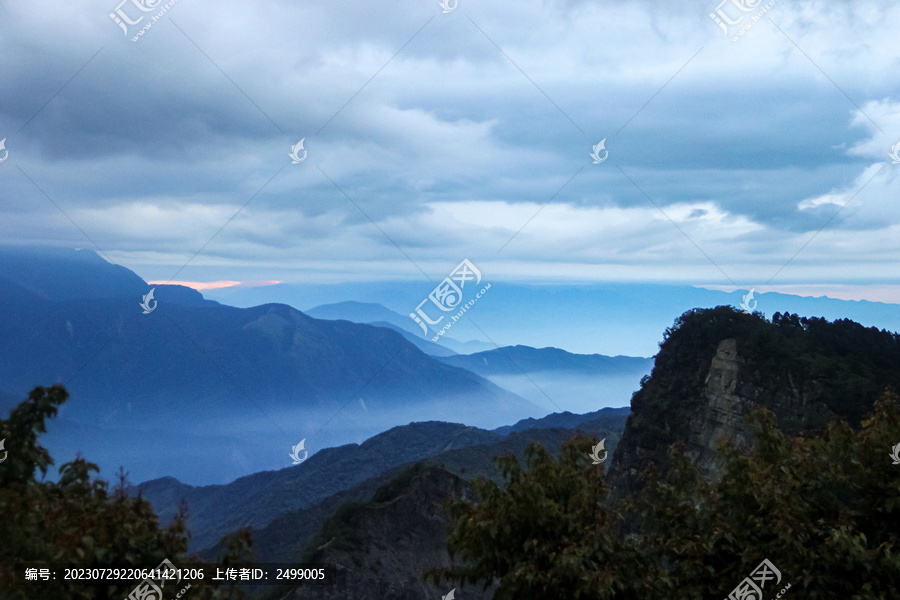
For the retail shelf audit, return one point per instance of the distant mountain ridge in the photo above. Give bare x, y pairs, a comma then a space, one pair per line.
422, 344
363, 312
336, 531
210, 392
61, 274
610, 318
513, 360
375, 314
566, 420
558, 380
250, 500
335, 470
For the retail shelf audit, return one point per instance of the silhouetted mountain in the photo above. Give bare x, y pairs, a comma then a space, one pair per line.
288, 537
376, 314
62, 274
210, 392
364, 312
256, 499
558, 380
609, 318
259, 498
421, 343
613, 417
513, 360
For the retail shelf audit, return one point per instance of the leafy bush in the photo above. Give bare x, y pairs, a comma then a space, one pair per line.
825, 510
78, 520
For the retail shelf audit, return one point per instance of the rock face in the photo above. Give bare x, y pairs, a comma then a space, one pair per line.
701, 408
716, 410
731, 392
380, 547
716, 365
725, 408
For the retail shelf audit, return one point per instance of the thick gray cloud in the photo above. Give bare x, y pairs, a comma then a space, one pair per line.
475, 130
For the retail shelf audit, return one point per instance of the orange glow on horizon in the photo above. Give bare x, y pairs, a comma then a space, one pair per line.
214, 285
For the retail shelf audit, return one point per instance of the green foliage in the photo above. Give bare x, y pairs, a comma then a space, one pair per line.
547, 534
841, 364
339, 530
77, 520
812, 368
398, 484
825, 510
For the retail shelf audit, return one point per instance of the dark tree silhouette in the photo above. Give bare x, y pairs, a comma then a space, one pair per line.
77, 519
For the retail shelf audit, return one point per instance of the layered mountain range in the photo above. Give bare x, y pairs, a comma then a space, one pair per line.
177, 385
196, 386
208, 392
714, 367
261, 501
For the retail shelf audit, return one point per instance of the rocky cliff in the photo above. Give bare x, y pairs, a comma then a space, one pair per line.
716, 365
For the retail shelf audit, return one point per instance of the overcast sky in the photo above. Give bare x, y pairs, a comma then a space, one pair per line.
432, 137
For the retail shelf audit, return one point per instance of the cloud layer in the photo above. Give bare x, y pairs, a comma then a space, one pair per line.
434, 137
